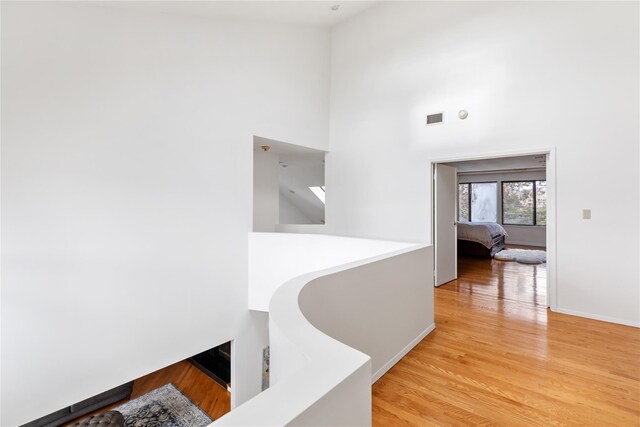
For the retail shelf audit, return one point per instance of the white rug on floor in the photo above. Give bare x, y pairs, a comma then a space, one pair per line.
523, 256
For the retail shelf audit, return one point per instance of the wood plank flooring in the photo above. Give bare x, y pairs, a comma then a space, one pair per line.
499, 357
511, 281
192, 382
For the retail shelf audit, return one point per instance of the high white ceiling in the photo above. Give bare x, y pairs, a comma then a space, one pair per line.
286, 12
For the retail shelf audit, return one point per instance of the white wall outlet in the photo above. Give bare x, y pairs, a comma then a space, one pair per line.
586, 213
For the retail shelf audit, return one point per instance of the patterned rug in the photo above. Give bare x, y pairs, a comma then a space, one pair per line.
163, 407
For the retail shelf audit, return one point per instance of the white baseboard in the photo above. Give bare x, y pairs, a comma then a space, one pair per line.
395, 359
537, 245
598, 317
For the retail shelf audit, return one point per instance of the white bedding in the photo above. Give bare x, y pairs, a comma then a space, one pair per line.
481, 232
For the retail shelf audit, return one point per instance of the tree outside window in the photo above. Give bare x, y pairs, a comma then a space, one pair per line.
524, 203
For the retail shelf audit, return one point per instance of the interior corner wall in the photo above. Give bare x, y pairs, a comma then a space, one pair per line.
266, 191
127, 192
289, 213
530, 235
532, 75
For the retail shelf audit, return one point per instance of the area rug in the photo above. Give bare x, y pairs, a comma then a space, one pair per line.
163, 407
523, 256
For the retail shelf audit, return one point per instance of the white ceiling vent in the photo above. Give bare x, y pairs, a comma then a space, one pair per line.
434, 119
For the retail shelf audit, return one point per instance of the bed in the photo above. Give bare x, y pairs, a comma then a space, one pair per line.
480, 239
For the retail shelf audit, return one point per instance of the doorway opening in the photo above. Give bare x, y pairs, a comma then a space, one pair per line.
216, 363
493, 224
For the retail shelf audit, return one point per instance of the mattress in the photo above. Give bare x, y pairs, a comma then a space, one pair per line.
481, 232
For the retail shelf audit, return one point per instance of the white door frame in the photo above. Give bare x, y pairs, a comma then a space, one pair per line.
552, 285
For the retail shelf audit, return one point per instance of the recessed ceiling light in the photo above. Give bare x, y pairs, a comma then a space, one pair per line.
335, 7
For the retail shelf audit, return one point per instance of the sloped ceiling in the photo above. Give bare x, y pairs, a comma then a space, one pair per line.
298, 169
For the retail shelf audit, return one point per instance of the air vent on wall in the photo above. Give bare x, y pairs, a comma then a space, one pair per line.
433, 119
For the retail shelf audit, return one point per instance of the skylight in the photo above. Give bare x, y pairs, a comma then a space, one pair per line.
319, 192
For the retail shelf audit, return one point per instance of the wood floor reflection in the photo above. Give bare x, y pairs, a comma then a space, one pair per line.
499, 357
502, 280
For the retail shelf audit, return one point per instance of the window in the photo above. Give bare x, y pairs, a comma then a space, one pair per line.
463, 202
319, 192
478, 202
524, 203
541, 202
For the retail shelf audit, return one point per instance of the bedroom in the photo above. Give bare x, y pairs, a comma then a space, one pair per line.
499, 237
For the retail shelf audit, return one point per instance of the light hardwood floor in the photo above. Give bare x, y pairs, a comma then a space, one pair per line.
526, 284
499, 357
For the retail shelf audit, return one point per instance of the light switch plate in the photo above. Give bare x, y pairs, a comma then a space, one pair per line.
586, 213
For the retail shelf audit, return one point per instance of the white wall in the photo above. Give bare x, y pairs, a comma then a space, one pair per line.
301, 228
289, 213
526, 235
517, 234
275, 258
322, 322
301, 173
266, 191
383, 309
127, 190
532, 75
